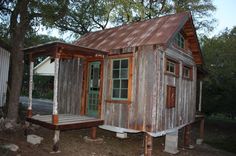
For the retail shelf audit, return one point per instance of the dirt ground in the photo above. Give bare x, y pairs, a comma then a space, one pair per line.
72, 144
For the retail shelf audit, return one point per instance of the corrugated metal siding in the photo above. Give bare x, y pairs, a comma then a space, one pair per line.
70, 86
4, 69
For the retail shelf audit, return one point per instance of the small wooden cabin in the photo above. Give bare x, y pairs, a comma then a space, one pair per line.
4, 69
139, 77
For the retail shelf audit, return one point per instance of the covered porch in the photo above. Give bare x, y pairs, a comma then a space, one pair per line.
70, 99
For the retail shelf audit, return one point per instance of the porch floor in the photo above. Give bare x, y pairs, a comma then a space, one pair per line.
65, 121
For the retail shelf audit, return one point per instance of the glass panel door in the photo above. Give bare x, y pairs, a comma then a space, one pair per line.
93, 89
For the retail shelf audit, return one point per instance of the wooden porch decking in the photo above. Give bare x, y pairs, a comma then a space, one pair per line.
65, 121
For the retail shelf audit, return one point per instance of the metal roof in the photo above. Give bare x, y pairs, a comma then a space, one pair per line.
154, 31
51, 48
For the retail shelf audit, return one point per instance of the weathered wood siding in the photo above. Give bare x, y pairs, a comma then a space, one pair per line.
4, 69
184, 110
147, 111
145, 77
70, 85
114, 114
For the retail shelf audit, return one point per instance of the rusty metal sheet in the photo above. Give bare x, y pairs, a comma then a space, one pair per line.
154, 31
4, 69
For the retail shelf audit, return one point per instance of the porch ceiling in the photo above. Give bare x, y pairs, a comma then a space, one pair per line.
58, 49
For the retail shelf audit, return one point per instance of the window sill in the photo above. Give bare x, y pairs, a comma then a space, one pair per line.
171, 74
118, 101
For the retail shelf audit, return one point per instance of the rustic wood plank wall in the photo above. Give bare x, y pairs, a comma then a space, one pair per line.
114, 114
184, 110
145, 89
147, 110
70, 85
4, 68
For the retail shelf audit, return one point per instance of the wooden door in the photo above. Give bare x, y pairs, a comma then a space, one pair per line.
93, 88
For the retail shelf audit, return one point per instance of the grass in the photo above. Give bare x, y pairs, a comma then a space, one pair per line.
221, 133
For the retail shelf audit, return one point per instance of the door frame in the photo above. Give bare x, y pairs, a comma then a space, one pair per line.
85, 89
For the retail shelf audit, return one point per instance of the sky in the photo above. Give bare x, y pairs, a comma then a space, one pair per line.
225, 15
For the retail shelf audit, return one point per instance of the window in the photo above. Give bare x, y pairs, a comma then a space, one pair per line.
172, 67
179, 40
120, 79
187, 72
171, 92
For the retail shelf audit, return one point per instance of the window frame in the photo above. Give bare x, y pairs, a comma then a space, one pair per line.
170, 102
120, 79
179, 40
176, 67
190, 68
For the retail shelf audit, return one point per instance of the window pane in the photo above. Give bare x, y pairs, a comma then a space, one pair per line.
115, 74
124, 64
124, 93
124, 83
116, 64
186, 72
115, 93
170, 67
120, 79
116, 83
124, 73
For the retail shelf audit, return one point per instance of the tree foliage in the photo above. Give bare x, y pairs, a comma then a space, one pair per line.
220, 86
87, 15
18, 17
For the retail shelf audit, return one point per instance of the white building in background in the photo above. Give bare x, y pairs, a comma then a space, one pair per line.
4, 71
45, 68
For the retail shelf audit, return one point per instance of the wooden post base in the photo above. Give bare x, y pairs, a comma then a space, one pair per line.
56, 139
148, 145
29, 113
26, 128
55, 119
187, 136
202, 128
93, 133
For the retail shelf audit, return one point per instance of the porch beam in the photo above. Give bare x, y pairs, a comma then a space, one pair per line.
55, 93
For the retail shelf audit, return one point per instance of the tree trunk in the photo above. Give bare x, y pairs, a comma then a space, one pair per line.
19, 24
17, 65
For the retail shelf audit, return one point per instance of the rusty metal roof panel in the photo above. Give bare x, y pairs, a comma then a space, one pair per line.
154, 31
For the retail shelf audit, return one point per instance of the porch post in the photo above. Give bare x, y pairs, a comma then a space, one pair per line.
56, 139
29, 112
202, 128
55, 92
148, 145
200, 97
93, 133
